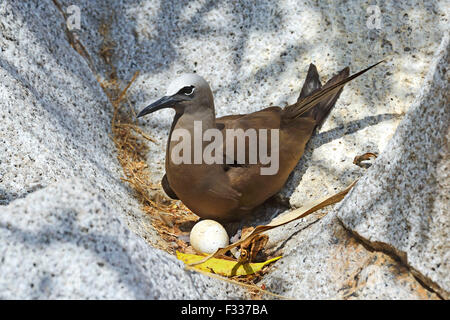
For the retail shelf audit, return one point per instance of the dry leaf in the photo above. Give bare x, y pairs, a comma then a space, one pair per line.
366, 156
249, 250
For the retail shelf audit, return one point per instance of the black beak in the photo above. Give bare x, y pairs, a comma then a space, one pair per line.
164, 102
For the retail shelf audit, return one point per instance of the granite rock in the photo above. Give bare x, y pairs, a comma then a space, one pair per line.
67, 241
70, 228
402, 203
388, 239
323, 260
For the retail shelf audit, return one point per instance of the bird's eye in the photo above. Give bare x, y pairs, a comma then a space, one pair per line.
187, 91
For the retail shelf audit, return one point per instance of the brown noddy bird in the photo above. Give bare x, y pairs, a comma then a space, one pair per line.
228, 190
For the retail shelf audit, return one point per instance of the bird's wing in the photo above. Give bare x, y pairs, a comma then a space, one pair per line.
223, 121
268, 118
223, 190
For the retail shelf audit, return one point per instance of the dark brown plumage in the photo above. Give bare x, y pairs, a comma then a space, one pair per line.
227, 192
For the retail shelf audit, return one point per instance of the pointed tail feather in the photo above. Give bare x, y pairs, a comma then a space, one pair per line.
321, 111
312, 83
325, 96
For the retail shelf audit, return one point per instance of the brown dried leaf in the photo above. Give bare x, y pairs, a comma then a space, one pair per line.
366, 156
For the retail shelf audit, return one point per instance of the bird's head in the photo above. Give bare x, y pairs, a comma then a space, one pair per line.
188, 92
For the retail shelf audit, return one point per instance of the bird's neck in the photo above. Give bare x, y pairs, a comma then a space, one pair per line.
195, 120
194, 123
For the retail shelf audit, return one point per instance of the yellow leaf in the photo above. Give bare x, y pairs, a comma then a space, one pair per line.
223, 267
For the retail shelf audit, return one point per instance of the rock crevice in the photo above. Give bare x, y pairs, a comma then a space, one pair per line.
401, 257
71, 228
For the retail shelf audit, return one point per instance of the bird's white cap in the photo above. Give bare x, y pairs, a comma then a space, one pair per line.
186, 80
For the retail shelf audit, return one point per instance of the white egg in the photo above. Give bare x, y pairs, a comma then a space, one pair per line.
208, 235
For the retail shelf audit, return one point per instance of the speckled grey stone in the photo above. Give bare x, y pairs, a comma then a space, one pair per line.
321, 260
402, 203
67, 241
392, 229
70, 228
65, 215
55, 118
